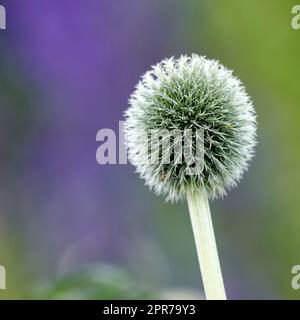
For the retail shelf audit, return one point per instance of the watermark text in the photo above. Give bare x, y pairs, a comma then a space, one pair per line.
2, 17
157, 147
295, 22
296, 278
2, 278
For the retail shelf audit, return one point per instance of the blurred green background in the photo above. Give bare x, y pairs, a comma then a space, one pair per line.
72, 228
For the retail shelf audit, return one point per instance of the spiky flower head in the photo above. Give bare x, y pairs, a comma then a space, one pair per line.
192, 93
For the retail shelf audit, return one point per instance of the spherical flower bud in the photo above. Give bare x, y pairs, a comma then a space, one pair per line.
190, 95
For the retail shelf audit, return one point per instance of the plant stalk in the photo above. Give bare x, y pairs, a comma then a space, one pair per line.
206, 246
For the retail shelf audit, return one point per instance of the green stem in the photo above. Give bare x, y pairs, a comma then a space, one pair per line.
206, 246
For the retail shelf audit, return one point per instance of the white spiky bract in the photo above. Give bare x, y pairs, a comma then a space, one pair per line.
192, 92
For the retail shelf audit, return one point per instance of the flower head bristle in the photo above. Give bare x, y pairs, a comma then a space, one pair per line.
192, 93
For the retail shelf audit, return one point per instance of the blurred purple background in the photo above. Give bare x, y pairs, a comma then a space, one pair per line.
67, 69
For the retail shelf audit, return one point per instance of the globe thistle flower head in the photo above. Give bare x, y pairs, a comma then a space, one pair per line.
191, 93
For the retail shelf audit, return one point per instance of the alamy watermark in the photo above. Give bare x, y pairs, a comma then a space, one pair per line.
295, 22
2, 278
159, 147
296, 278
2, 17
